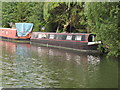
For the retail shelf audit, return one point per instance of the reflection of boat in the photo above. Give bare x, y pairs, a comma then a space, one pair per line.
22, 32
8, 46
78, 41
80, 58
13, 48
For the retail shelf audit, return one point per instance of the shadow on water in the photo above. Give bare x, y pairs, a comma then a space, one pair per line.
31, 66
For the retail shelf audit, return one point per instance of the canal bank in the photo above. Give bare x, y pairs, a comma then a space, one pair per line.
32, 66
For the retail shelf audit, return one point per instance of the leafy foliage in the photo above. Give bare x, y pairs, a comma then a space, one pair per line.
8, 13
68, 16
23, 12
103, 21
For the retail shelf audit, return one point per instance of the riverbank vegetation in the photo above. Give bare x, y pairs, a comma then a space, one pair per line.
100, 18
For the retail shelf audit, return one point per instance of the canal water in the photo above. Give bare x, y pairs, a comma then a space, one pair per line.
32, 66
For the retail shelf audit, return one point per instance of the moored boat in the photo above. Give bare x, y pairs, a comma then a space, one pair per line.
77, 41
21, 32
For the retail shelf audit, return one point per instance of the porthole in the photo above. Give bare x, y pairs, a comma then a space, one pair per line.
51, 36
2, 31
69, 37
78, 38
6, 32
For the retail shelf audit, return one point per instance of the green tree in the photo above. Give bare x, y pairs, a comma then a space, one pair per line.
102, 18
37, 17
30, 12
8, 13
67, 16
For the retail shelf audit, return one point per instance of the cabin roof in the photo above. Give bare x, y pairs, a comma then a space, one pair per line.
8, 28
61, 33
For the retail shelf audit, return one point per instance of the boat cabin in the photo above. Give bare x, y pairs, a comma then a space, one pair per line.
8, 32
22, 31
72, 37
79, 41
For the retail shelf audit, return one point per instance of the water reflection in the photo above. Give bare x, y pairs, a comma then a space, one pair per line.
26, 65
79, 58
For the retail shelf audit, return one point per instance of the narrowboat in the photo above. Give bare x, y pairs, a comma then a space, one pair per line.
21, 32
75, 41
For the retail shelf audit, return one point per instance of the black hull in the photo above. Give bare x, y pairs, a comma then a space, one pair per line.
67, 44
27, 39
18, 40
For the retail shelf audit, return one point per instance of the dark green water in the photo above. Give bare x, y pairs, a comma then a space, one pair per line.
30, 66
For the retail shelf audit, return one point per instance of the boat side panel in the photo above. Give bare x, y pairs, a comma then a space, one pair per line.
76, 45
8, 33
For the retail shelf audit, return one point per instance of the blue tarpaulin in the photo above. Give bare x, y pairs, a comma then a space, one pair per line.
23, 28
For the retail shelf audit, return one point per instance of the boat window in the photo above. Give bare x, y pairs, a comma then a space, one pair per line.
83, 38
39, 35
64, 37
51, 36
91, 38
69, 37
78, 38
35, 35
42, 35
2, 31
73, 37
6, 32
59, 37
